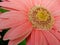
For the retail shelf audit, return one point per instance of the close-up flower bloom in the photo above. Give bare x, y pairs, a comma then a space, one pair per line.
37, 21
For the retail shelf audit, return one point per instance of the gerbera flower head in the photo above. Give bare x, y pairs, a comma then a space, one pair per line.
36, 20
41, 18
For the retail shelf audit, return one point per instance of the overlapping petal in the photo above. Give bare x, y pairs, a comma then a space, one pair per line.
36, 38
57, 22
21, 27
11, 19
56, 33
43, 38
18, 40
13, 6
52, 6
51, 39
18, 31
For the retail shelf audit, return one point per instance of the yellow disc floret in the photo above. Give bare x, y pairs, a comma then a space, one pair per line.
42, 16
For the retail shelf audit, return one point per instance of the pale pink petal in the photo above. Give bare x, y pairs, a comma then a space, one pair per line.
56, 10
18, 31
43, 40
12, 5
26, 2
46, 3
53, 6
36, 2
57, 22
14, 15
26, 5
18, 40
36, 38
31, 38
11, 19
9, 9
56, 33
57, 18
0, 30
52, 40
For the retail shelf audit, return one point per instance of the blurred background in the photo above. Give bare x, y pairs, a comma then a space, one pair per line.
2, 42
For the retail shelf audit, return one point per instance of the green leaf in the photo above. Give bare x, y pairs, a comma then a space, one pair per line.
3, 10
23, 43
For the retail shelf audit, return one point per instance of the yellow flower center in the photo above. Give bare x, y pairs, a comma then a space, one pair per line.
41, 18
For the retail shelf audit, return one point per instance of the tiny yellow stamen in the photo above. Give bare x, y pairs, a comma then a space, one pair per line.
42, 16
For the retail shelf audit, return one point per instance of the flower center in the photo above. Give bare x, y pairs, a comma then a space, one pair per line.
41, 18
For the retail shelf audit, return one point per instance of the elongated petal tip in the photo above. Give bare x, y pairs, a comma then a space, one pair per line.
0, 30
5, 38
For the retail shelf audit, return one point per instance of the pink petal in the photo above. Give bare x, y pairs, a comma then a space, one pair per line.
11, 19
56, 11
53, 6
36, 38
0, 30
18, 31
57, 22
43, 40
31, 38
36, 2
27, 3
47, 3
56, 33
52, 40
18, 40
13, 14
12, 5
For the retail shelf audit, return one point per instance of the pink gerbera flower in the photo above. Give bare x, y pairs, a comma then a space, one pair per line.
36, 20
